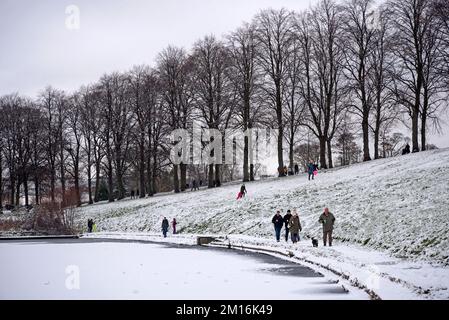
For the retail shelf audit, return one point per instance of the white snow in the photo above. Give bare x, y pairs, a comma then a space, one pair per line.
115, 270
392, 218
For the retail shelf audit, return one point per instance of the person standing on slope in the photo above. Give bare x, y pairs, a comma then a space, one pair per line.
295, 226
310, 169
327, 219
173, 224
165, 227
278, 222
286, 220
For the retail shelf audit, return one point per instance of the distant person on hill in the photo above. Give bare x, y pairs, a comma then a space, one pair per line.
278, 222
287, 217
296, 169
94, 227
194, 186
406, 149
327, 219
295, 226
132, 194
89, 225
311, 169
173, 224
242, 192
165, 227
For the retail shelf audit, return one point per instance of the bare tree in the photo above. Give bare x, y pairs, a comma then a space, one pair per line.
173, 69
245, 75
274, 33
358, 47
321, 85
214, 99
410, 23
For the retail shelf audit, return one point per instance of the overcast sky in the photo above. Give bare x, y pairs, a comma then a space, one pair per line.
41, 43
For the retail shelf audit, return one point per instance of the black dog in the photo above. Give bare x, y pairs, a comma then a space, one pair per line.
315, 242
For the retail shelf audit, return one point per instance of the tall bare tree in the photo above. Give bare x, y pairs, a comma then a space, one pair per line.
358, 47
274, 34
245, 75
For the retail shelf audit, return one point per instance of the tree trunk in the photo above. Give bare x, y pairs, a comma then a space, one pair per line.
424, 121
329, 154
183, 168
281, 131
142, 168
292, 165
52, 183
110, 181
251, 172
25, 190
365, 129
77, 184
62, 173
97, 180
322, 140
36, 189
246, 176
154, 173
211, 176
415, 115
89, 171
13, 189
17, 201
218, 175
175, 178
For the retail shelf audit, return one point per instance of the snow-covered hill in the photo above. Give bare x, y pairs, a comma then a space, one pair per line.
399, 205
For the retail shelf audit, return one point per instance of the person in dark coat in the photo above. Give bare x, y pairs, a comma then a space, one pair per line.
286, 220
327, 219
243, 190
296, 169
278, 222
132, 194
90, 224
165, 226
173, 224
311, 169
194, 186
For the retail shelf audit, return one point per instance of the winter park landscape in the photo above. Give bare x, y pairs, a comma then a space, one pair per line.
224, 150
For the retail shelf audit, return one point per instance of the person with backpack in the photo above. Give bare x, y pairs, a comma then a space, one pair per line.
287, 217
165, 227
278, 222
295, 227
327, 219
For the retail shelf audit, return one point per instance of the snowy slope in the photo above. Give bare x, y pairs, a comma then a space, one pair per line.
398, 205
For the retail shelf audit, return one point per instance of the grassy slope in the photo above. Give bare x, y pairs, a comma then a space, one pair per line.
397, 204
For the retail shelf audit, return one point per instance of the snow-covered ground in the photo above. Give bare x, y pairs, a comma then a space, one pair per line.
392, 218
116, 270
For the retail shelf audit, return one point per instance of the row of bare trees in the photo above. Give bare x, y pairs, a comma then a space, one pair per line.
320, 73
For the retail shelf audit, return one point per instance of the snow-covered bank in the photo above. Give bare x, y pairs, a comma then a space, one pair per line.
398, 205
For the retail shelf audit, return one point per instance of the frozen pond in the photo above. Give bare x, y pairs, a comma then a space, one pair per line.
89, 269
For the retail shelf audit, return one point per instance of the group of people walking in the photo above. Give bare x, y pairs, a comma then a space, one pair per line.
291, 223
165, 226
293, 226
